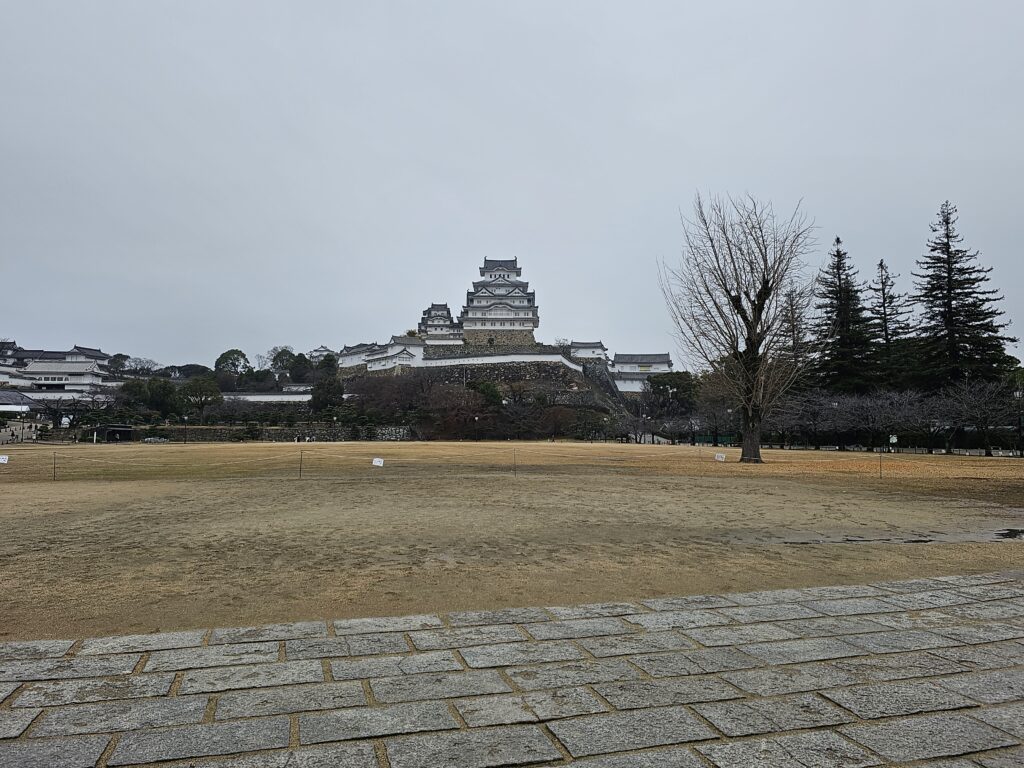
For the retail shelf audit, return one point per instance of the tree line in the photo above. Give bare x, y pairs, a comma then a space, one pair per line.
798, 356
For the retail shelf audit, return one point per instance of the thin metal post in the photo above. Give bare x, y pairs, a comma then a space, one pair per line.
515, 464
54, 465
880, 464
300, 465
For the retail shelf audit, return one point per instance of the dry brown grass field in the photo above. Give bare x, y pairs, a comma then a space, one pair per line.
134, 538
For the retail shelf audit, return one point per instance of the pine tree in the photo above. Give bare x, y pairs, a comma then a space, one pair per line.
843, 329
961, 329
889, 311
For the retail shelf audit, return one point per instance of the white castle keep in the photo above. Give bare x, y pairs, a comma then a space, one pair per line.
496, 325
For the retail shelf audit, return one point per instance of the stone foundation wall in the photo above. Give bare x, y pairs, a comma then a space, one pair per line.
482, 337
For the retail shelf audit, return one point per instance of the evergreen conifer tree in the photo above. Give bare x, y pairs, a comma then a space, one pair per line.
843, 329
961, 330
889, 310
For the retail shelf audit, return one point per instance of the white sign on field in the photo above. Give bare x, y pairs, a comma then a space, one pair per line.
378, 462
719, 457
3, 459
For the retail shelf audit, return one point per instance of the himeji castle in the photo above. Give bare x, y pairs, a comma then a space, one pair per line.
496, 324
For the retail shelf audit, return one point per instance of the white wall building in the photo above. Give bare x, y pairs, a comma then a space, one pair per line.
631, 371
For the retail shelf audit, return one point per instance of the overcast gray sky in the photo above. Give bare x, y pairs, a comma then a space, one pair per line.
178, 178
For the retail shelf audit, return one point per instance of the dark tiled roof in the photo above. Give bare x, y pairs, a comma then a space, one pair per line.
13, 397
501, 263
596, 344
653, 358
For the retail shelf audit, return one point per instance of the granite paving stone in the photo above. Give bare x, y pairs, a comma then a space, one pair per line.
996, 610
643, 694
34, 649
1009, 718
325, 648
973, 580
677, 619
59, 692
385, 624
928, 736
893, 699
831, 626
1010, 758
371, 722
792, 678
818, 749
992, 591
289, 698
445, 685
252, 676
619, 731
899, 666
919, 601
571, 674
345, 755
688, 603
478, 748
374, 643
627, 645
766, 597
495, 710
157, 641
985, 633
13, 722
82, 752
502, 616
271, 632
464, 637
211, 656
138, 747
896, 642
788, 713
68, 667
125, 715
563, 702
853, 606
910, 585
698, 662
675, 757
993, 656
995, 687
513, 654
593, 610
919, 673
738, 635
842, 591
393, 666
928, 619
774, 612
560, 630
811, 649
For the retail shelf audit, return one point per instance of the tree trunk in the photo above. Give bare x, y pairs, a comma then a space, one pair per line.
751, 453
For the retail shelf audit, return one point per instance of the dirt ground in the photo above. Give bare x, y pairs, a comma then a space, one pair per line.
146, 537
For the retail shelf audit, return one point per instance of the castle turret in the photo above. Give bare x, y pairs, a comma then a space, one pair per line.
437, 326
500, 308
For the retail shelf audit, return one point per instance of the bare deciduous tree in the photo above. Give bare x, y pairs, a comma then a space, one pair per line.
734, 298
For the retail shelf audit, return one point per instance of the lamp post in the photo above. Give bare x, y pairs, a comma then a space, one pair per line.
186, 430
476, 428
1019, 397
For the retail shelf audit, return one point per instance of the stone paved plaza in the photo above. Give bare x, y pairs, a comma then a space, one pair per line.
928, 672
